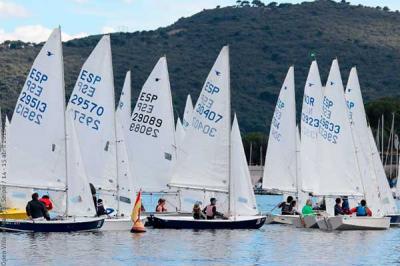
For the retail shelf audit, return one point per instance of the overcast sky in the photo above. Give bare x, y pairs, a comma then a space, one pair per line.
30, 20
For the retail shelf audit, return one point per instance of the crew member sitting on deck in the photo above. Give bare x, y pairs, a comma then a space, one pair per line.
161, 205
346, 206
338, 207
308, 209
362, 209
47, 202
293, 207
286, 207
100, 208
35, 209
197, 213
211, 210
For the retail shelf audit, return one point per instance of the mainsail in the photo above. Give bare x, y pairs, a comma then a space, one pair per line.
36, 137
338, 166
310, 117
152, 132
187, 114
125, 182
205, 164
280, 171
92, 108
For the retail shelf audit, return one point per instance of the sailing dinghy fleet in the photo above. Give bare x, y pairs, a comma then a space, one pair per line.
336, 155
91, 149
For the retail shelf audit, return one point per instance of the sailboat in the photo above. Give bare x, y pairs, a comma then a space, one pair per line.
152, 150
280, 170
40, 160
214, 159
342, 161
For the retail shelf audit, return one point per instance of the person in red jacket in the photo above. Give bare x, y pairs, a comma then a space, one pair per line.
47, 202
362, 209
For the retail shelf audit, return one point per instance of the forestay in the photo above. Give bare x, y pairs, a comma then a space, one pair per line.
243, 200
310, 117
205, 164
126, 189
36, 137
339, 172
361, 139
92, 108
152, 132
280, 171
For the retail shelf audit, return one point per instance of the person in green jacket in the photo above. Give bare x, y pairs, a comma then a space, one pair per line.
307, 209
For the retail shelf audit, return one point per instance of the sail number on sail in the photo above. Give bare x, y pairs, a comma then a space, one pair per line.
308, 118
86, 111
328, 130
142, 120
276, 120
204, 109
30, 106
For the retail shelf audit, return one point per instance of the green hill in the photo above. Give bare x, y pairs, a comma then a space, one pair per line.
264, 42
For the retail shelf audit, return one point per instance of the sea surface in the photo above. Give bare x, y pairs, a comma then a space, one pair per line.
272, 245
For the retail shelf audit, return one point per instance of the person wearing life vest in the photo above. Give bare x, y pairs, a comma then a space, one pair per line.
197, 213
346, 205
47, 202
308, 209
362, 209
211, 210
338, 207
161, 205
286, 207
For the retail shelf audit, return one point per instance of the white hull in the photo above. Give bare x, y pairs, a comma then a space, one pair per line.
119, 224
307, 222
280, 219
358, 223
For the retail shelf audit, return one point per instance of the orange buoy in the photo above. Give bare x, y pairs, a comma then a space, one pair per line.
138, 226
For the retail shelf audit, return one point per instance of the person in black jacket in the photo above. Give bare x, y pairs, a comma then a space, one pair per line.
36, 209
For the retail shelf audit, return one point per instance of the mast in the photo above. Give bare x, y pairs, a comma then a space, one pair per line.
230, 187
65, 131
382, 131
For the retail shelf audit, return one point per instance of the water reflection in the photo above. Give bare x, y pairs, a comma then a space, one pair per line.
273, 244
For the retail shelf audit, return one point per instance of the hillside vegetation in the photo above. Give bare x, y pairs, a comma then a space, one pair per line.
264, 41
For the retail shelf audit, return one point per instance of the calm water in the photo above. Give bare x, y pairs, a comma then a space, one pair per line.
272, 244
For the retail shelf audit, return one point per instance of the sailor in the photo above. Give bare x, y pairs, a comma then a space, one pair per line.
286, 207
338, 207
197, 213
45, 199
211, 210
100, 208
293, 207
346, 206
161, 205
362, 209
308, 209
36, 209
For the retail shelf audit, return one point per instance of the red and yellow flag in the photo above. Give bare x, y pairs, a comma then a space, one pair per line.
135, 216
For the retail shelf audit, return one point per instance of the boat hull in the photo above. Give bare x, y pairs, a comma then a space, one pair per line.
306, 222
70, 225
394, 219
280, 219
179, 222
119, 224
358, 223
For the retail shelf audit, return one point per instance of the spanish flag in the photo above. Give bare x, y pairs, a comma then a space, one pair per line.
137, 227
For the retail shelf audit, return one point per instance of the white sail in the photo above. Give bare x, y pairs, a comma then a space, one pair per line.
243, 200
80, 201
92, 108
36, 137
152, 132
361, 139
310, 117
280, 171
1, 131
126, 190
187, 114
339, 173
388, 204
205, 164
179, 135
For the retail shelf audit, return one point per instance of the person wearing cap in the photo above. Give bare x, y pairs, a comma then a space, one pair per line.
211, 210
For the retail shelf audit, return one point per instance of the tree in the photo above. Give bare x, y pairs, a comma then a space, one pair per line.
272, 4
257, 3
245, 3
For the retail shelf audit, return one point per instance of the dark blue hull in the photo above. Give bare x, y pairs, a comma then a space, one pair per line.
394, 219
165, 223
52, 226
